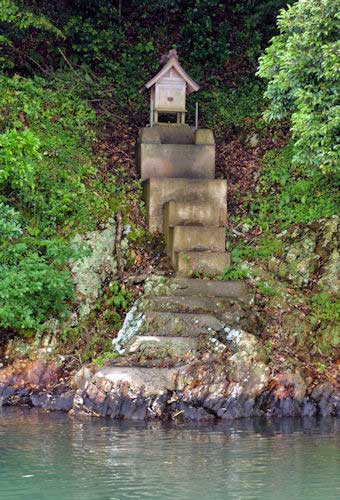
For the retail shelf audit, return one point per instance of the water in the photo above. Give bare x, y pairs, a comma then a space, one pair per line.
51, 456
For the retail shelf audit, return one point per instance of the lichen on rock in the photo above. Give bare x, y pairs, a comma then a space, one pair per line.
309, 249
131, 327
91, 270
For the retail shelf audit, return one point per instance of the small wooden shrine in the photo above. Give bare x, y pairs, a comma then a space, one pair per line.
169, 88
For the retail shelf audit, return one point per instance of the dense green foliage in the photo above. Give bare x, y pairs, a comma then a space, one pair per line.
288, 194
62, 61
49, 188
302, 66
32, 286
54, 56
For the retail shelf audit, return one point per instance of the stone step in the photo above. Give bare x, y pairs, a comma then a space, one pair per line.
192, 304
187, 287
151, 381
159, 190
195, 238
229, 311
211, 263
156, 347
166, 324
188, 213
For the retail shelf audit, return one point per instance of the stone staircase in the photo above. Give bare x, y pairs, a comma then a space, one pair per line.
172, 337
178, 317
190, 210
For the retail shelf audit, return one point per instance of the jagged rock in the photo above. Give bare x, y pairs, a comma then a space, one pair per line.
201, 389
295, 324
90, 271
183, 411
310, 249
245, 344
300, 262
5, 393
36, 373
42, 347
83, 376
53, 402
290, 383
330, 279
322, 391
229, 386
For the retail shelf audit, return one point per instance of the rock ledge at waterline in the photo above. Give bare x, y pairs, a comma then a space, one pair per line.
216, 386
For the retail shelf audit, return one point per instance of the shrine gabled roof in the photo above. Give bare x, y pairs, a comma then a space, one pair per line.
173, 63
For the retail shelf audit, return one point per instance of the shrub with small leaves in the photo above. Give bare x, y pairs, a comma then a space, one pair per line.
302, 67
10, 227
32, 288
19, 150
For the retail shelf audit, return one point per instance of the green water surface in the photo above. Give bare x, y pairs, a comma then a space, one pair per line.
53, 456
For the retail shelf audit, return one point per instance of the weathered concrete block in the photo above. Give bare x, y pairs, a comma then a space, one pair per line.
195, 238
149, 135
191, 304
168, 134
176, 160
204, 136
212, 263
173, 151
158, 191
187, 287
191, 214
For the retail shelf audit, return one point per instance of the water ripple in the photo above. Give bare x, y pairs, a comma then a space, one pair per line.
51, 456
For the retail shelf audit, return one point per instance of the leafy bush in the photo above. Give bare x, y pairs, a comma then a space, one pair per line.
18, 22
10, 227
19, 151
302, 66
95, 35
46, 158
205, 35
32, 287
49, 187
288, 194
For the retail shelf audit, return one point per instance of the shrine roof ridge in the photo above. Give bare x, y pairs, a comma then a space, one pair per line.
174, 63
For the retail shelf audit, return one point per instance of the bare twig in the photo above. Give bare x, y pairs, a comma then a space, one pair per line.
238, 233
67, 61
44, 70
119, 232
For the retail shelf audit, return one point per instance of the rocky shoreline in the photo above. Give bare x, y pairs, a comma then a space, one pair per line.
197, 391
245, 359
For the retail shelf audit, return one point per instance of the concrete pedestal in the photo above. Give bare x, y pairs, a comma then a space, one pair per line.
183, 198
175, 151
